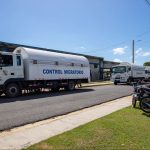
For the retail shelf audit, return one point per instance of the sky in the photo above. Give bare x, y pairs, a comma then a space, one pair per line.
102, 28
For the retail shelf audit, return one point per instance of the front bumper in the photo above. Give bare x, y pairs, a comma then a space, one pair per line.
119, 80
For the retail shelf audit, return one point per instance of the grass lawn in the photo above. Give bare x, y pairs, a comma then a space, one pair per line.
125, 129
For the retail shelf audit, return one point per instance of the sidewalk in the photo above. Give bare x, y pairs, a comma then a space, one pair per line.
98, 83
27, 135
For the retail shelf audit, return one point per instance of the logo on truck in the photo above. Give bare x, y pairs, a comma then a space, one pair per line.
55, 71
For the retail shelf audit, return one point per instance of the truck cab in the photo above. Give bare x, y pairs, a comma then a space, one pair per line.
128, 73
120, 74
11, 69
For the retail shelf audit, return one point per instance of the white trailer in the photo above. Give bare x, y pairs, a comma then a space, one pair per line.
32, 69
127, 73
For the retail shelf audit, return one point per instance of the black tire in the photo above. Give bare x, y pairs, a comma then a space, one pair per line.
115, 83
1, 92
12, 90
129, 82
145, 104
71, 86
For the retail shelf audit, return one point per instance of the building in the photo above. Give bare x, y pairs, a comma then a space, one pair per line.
99, 68
107, 69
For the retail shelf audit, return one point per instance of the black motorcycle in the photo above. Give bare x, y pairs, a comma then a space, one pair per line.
142, 94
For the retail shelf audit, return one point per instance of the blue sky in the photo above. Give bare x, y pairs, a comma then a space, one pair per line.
102, 28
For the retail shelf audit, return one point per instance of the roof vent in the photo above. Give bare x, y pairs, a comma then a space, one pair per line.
19, 51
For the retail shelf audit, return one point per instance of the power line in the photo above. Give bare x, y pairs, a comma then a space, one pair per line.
108, 47
146, 42
147, 2
120, 43
146, 32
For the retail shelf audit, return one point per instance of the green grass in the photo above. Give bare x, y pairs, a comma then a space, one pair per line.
125, 129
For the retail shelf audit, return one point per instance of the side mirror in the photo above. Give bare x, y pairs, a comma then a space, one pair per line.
129, 69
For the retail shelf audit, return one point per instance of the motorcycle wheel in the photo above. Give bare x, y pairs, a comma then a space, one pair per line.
145, 104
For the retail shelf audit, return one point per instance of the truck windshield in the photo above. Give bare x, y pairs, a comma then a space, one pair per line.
119, 69
6, 60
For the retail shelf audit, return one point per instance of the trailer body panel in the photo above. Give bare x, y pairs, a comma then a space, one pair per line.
46, 65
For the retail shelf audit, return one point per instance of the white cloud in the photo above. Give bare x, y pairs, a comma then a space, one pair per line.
141, 52
80, 48
119, 51
138, 51
117, 60
146, 53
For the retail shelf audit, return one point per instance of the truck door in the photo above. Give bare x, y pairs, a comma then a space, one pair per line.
19, 66
7, 69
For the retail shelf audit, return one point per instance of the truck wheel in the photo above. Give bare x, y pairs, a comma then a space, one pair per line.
12, 90
115, 83
129, 81
71, 86
1, 92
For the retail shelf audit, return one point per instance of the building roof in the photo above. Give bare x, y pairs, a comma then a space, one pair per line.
12, 46
112, 62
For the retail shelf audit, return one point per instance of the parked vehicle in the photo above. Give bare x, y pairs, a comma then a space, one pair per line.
142, 94
128, 73
147, 72
32, 69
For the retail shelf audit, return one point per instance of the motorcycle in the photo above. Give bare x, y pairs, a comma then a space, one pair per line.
142, 94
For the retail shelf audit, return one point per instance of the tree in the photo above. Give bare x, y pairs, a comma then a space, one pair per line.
147, 64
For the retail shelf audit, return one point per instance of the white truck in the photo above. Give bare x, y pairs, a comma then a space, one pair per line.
127, 73
32, 69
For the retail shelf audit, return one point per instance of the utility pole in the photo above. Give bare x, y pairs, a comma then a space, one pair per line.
133, 51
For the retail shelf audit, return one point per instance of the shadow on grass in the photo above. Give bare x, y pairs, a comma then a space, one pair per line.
143, 113
146, 114
137, 107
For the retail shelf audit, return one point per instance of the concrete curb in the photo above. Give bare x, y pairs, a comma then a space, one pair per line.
98, 84
27, 135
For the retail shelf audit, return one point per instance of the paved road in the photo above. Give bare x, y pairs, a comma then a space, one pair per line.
32, 108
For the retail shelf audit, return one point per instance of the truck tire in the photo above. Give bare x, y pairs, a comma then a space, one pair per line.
1, 92
115, 83
12, 90
71, 86
129, 81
